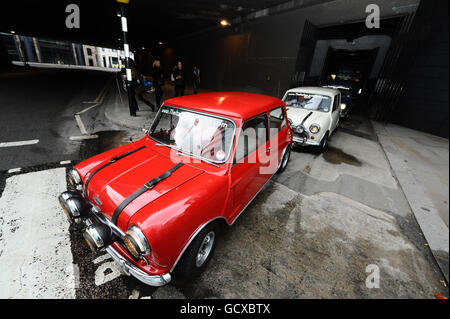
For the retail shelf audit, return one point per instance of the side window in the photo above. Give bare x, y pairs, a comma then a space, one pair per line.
253, 135
277, 120
336, 102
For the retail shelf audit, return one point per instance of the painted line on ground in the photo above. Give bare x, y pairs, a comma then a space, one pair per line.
80, 124
14, 170
88, 108
19, 143
36, 259
65, 162
83, 137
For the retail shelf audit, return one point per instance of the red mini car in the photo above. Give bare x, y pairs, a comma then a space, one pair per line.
156, 204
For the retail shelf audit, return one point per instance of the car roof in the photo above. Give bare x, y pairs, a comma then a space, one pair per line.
315, 90
339, 84
241, 105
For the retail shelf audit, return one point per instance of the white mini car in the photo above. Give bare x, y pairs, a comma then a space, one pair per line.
313, 113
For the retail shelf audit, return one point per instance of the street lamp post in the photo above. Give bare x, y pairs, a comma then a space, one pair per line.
126, 48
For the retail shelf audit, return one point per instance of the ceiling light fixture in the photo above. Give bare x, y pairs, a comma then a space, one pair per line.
224, 23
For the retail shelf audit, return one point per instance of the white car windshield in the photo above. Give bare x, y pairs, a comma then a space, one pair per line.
313, 102
200, 135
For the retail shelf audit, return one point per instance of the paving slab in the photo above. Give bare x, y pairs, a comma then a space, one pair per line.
420, 162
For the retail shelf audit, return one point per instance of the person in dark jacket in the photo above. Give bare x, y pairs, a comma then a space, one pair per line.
158, 81
178, 77
195, 78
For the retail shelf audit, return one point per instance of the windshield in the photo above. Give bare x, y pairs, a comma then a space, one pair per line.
201, 135
313, 102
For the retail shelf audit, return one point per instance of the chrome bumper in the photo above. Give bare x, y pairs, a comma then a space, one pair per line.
130, 269
304, 141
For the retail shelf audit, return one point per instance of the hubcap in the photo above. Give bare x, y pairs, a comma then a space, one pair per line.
205, 249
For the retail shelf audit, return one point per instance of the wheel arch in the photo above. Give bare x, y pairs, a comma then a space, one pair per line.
218, 219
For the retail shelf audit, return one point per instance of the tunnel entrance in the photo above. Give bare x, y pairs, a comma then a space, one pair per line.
346, 53
349, 67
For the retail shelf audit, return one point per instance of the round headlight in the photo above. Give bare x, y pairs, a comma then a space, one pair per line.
314, 128
299, 129
74, 179
343, 106
76, 209
98, 236
136, 242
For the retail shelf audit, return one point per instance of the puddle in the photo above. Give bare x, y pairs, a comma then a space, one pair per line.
337, 156
108, 140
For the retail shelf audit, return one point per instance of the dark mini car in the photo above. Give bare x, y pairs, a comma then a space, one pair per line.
347, 95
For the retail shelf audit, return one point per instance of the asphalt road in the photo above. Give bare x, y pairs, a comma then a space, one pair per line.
38, 107
316, 231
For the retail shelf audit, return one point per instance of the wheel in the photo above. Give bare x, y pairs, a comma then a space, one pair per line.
323, 142
197, 255
285, 160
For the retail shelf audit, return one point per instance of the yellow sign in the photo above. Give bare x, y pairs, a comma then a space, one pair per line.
123, 1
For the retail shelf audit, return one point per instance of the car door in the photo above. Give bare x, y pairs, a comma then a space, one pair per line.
278, 136
246, 177
335, 112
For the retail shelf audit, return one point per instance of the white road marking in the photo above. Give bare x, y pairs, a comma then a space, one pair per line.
107, 272
88, 108
14, 170
83, 137
19, 143
35, 256
80, 124
65, 162
102, 258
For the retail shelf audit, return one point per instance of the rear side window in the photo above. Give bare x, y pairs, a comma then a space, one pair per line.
336, 103
277, 120
253, 135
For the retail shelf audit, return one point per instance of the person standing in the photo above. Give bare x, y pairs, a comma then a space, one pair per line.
195, 78
178, 77
158, 81
132, 87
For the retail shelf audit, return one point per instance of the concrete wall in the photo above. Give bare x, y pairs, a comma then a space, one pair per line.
260, 54
425, 102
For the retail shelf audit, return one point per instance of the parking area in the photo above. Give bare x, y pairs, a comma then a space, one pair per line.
333, 225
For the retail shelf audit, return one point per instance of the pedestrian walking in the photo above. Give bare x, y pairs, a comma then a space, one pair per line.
196, 78
178, 78
158, 82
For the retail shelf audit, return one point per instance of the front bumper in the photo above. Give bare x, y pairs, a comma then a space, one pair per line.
130, 269
302, 141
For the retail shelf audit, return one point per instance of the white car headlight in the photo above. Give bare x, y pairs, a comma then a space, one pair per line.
343, 106
314, 128
299, 129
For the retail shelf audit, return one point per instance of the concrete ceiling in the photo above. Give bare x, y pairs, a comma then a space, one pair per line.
149, 21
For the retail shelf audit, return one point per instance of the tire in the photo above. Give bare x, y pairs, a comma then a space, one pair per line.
323, 142
192, 264
285, 160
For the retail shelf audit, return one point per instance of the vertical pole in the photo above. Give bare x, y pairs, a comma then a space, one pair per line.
126, 48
